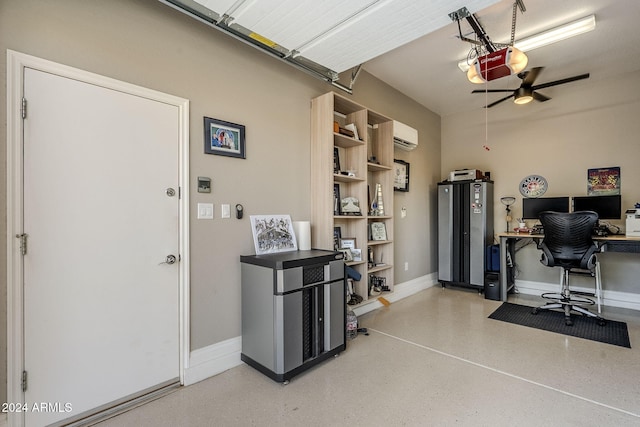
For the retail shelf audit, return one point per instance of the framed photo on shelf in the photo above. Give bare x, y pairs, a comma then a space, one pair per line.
350, 206
337, 204
400, 175
348, 242
348, 255
357, 254
378, 231
337, 235
224, 138
336, 160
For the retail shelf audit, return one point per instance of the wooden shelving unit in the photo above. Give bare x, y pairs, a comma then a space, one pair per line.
370, 159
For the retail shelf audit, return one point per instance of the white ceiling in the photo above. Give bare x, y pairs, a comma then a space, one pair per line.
422, 43
335, 34
426, 69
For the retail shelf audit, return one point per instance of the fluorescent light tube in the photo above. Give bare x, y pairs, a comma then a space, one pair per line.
554, 35
563, 32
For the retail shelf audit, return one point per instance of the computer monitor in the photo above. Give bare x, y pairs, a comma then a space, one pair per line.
531, 208
607, 207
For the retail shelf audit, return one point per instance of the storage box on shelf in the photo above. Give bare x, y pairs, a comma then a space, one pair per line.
368, 161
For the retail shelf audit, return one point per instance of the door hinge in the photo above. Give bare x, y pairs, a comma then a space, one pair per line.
23, 243
23, 109
24, 381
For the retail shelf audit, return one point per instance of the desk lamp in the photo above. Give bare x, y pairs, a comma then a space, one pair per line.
508, 201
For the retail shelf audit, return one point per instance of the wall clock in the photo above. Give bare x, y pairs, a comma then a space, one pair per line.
533, 186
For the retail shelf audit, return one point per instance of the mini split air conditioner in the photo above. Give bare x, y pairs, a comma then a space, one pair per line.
404, 137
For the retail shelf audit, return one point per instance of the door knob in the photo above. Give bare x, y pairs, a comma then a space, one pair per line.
171, 259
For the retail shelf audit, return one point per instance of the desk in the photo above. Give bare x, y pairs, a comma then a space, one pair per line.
613, 243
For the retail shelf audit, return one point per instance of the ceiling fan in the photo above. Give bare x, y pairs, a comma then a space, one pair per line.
527, 90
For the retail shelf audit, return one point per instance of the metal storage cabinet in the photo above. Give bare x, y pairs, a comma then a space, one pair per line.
465, 230
293, 310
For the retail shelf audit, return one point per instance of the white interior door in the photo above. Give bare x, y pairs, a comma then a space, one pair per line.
101, 311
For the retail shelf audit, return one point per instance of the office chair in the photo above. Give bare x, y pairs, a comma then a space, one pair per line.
567, 243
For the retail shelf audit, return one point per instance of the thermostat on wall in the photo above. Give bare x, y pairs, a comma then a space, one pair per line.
204, 184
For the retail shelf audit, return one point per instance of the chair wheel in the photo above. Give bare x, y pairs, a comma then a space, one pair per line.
534, 311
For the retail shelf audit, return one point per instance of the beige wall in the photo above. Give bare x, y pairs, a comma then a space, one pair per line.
149, 44
595, 127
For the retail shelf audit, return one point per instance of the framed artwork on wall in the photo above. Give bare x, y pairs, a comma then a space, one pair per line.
603, 181
224, 138
400, 175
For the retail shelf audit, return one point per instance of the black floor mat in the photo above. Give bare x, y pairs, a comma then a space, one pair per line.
612, 332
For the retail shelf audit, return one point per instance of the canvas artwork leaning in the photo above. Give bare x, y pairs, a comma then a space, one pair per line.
273, 233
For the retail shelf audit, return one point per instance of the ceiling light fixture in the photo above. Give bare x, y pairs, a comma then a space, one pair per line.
523, 96
545, 38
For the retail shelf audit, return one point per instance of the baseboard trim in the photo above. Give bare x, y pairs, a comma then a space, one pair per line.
609, 298
400, 291
212, 360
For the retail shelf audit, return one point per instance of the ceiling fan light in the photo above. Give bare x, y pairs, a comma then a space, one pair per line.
523, 99
523, 96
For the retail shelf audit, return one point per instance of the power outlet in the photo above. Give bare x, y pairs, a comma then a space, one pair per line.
406, 266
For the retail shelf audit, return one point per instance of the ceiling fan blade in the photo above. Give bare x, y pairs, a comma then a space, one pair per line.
531, 75
491, 90
499, 101
540, 97
561, 81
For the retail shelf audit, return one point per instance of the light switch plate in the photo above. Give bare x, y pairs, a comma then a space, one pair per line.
205, 210
225, 211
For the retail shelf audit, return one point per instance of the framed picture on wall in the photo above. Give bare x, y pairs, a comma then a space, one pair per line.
224, 138
603, 181
400, 175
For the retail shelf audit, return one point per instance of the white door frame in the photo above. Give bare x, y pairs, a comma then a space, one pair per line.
16, 62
